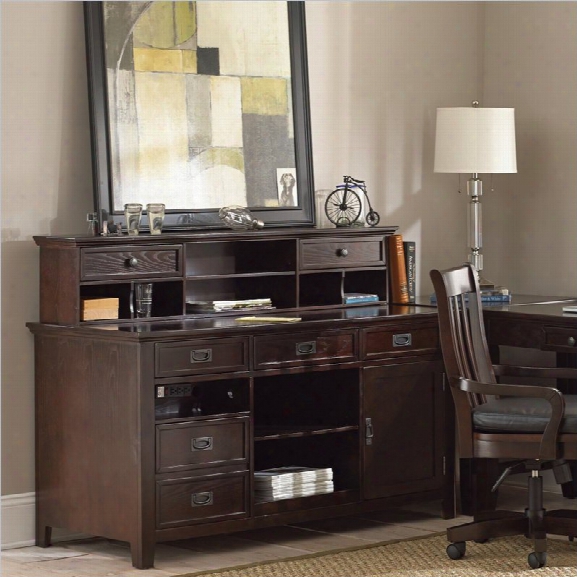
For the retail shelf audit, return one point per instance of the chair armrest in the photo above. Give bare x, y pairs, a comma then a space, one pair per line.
538, 372
548, 447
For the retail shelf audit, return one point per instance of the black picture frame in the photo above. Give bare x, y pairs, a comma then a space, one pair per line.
302, 215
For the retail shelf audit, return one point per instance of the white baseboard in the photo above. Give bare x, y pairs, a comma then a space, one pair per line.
18, 522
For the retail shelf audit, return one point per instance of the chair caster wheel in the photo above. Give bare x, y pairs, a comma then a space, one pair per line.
456, 550
537, 560
481, 540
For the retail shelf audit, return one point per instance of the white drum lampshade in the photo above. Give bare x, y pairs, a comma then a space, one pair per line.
475, 140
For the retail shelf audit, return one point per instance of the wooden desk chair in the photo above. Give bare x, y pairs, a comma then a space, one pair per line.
534, 425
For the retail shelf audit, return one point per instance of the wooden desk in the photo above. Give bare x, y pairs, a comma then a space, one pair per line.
535, 322
537, 325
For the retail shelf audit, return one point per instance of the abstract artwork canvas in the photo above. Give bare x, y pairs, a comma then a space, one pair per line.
200, 108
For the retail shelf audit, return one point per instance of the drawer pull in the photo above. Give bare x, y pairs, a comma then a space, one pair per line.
342, 252
571, 341
403, 340
307, 348
201, 499
201, 444
131, 262
201, 356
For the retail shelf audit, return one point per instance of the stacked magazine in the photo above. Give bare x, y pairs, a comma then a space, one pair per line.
222, 306
292, 482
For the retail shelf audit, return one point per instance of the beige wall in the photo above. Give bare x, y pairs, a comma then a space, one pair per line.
378, 71
531, 218
46, 189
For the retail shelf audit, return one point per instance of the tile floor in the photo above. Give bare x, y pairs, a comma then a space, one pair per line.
101, 557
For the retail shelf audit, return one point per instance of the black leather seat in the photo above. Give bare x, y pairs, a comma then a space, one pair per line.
522, 415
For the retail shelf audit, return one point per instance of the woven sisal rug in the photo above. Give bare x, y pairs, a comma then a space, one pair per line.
421, 557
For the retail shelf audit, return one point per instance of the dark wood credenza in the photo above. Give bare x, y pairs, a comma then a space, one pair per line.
151, 430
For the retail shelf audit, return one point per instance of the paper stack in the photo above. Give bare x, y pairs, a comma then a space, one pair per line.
222, 306
292, 482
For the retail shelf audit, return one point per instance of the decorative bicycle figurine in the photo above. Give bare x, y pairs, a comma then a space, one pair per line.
344, 206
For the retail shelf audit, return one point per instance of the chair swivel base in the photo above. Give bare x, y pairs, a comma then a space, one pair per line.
492, 524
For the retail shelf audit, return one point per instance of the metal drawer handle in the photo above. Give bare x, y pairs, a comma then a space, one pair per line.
404, 340
342, 252
201, 356
571, 341
201, 444
132, 261
307, 348
201, 499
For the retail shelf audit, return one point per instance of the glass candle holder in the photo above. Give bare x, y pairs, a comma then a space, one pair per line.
155, 217
133, 213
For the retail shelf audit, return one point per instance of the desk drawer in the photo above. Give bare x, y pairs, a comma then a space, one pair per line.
379, 342
201, 357
341, 253
192, 445
128, 262
304, 349
560, 339
189, 500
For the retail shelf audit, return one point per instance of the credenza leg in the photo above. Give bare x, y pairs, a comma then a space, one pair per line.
142, 555
43, 535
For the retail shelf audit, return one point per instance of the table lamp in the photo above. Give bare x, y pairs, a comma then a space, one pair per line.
476, 141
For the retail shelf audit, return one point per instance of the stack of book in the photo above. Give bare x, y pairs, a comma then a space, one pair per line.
231, 305
356, 298
292, 482
496, 295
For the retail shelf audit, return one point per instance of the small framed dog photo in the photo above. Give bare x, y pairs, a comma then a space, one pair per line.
286, 181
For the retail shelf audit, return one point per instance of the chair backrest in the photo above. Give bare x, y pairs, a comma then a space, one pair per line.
463, 341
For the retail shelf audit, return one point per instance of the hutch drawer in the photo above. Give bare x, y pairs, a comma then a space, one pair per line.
133, 262
196, 500
203, 356
304, 348
190, 445
341, 253
383, 341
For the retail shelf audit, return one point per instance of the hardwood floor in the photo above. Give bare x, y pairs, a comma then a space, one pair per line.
102, 557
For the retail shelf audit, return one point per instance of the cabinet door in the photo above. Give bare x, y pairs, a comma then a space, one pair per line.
403, 415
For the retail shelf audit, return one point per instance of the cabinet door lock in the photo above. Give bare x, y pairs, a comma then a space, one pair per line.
369, 432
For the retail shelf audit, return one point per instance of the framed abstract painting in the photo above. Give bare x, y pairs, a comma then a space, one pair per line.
200, 105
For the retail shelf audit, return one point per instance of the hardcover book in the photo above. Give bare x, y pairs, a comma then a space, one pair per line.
397, 270
410, 268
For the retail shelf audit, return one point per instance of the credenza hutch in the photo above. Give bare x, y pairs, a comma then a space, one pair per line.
149, 430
